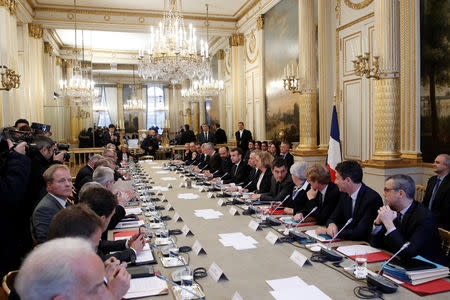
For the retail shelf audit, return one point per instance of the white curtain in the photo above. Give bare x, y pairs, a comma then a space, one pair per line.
111, 103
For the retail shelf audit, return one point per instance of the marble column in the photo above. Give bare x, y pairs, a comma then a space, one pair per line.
202, 112
141, 114
221, 76
308, 73
120, 118
196, 115
237, 78
387, 88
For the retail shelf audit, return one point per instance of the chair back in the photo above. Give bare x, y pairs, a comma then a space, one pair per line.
8, 282
146, 157
445, 240
420, 192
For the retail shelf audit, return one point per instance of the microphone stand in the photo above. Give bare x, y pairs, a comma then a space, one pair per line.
330, 254
273, 221
295, 234
177, 285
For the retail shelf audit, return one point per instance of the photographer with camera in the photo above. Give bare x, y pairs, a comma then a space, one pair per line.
14, 175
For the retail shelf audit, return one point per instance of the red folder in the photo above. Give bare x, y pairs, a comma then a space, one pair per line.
429, 288
124, 233
375, 256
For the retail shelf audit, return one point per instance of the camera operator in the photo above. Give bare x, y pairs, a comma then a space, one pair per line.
14, 175
42, 156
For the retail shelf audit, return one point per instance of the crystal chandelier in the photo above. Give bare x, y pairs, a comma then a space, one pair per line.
134, 104
172, 53
80, 87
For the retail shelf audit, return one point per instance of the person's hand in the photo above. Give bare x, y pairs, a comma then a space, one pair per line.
298, 217
311, 194
387, 216
122, 198
130, 194
332, 230
111, 265
119, 283
150, 148
20, 148
255, 196
288, 210
138, 244
321, 230
59, 157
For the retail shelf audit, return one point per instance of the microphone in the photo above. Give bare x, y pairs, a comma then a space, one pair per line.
296, 235
215, 172
380, 283
330, 254
226, 173
247, 184
177, 285
272, 221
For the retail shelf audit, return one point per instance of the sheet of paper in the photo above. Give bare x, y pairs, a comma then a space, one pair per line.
121, 225
321, 238
162, 172
144, 256
237, 240
159, 188
187, 196
133, 210
157, 167
357, 249
168, 178
308, 292
148, 286
208, 214
286, 283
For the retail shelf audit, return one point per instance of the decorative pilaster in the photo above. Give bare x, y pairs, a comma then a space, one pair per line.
120, 118
48, 48
142, 121
237, 80
35, 30
221, 76
260, 22
202, 109
11, 5
387, 88
308, 73
196, 124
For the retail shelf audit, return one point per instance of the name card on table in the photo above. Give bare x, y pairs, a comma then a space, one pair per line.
182, 185
164, 199
236, 296
299, 259
272, 237
233, 211
197, 248
177, 218
220, 202
210, 195
159, 193
169, 207
254, 225
186, 231
216, 272
169, 186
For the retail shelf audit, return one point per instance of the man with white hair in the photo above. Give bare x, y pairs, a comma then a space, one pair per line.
68, 269
85, 173
437, 194
298, 196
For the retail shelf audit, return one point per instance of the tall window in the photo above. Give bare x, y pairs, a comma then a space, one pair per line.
103, 115
156, 107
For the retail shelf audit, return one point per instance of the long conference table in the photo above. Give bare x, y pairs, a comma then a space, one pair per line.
246, 270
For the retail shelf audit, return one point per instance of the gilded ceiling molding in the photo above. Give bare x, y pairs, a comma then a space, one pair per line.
245, 11
237, 39
260, 22
338, 10
11, 5
48, 48
35, 30
359, 5
58, 61
220, 54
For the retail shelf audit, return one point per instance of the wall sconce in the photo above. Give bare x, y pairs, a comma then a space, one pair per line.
291, 82
363, 67
9, 79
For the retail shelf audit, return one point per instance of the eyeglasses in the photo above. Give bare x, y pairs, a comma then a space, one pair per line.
386, 190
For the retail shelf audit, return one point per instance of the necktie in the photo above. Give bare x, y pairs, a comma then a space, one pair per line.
320, 197
206, 136
399, 219
235, 169
436, 187
67, 204
277, 188
295, 192
353, 205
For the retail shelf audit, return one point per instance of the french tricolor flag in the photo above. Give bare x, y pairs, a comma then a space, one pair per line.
334, 146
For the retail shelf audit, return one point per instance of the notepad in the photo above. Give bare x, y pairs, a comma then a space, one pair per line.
292, 287
208, 214
130, 224
145, 287
237, 240
187, 196
373, 254
133, 211
324, 238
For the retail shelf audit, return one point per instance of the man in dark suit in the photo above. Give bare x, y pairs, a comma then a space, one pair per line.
104, 203
206, 136
251, 147
361, 204
243, 136
221, 136
281, 184
225, 162
112, 136
212, 159
239, 171
85, 173
298, 198
286, 155
437, 194
405, 220
323, 194
150, 143
59, 188
187, 136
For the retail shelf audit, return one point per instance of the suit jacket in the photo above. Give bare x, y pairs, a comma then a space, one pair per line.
202, 139
225, 167
120, 157
266, 182
150, 141
198, 159
299, 200
278, 193
324, 208
187, 137
253, 179
242, 142
43, 215
107, 138
289, 159
418, 226
221, 136
366, 210
203, 164
441, 203
239, 175
83, 176
122, 253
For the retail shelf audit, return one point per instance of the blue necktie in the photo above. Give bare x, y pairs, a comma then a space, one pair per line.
436, 187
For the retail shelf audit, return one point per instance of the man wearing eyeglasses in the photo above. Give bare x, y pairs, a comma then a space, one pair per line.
405, 220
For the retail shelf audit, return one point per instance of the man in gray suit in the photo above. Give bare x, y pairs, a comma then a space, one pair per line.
59, 187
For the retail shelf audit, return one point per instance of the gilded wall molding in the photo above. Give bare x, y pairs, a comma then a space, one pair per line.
260, 22
308, 122
358, 5
250, 47
11, 5
48, 48
220, 54
58, 61
35, 30
237, 39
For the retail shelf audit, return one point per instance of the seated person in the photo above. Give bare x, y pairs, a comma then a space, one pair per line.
405, 220
192, 149
239, 172
85, 173
281, 184
298, 197
124, 156
323, 194
263, 162
361, 204
199, 157
187, 152
211, 160
68, 268
254, 171
59, 188
104, 203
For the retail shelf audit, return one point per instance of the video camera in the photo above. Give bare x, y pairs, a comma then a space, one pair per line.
63, 147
